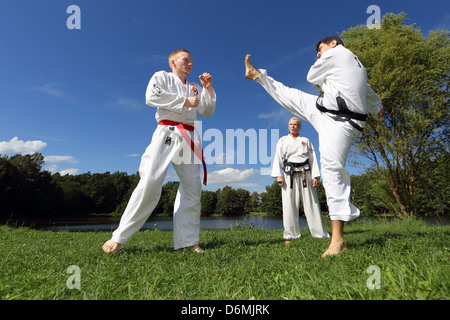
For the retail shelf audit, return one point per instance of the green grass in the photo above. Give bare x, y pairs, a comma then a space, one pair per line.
413, 259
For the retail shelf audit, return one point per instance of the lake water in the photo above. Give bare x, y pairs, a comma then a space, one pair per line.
107, 223
166, 223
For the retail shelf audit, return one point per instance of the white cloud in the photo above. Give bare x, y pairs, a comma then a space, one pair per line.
276, 117
56, 159
15, 146
52, 166
131, 104
230, 175
51, 89
19, 146
71, 172
288, 58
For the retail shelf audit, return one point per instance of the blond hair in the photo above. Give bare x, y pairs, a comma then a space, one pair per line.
174, 54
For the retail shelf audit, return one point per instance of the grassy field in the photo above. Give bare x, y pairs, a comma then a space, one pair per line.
400, 259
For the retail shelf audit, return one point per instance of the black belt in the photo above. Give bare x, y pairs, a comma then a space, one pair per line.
344, 113
296, 167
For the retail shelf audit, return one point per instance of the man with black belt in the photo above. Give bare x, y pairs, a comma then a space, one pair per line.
337, 116
177, 101
296, 169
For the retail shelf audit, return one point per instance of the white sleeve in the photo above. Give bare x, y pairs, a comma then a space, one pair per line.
373, 101
314, 165
158, 96
277, 166
320, 69
207, 105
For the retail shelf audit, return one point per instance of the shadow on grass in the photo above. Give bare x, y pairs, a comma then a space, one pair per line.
380, 240
206, 245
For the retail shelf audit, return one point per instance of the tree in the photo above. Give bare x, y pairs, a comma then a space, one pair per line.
229, 203
74, 200
410, 74
28, 191
244, 200
255, 202
209, 202
167, 199
433, 195
9, 193
272, 203
371, 194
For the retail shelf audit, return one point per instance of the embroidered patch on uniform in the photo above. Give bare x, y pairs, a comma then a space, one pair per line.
194, 91
156, 90
304, 143
168, 141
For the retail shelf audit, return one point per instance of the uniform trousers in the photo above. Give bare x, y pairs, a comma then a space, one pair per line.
291, 202
335, 140
163, 150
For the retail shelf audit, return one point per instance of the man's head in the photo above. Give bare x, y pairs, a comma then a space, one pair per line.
181, 61
327, 43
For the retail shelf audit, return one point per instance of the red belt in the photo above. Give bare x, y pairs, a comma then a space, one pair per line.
197, 149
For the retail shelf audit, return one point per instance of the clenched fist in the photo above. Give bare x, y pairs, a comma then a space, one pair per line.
191, 102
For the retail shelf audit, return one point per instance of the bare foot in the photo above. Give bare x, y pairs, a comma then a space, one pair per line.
196, 248
334, 250
250, 71
111, 246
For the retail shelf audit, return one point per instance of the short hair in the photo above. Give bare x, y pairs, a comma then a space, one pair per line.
298, 120
175, 53
328, 40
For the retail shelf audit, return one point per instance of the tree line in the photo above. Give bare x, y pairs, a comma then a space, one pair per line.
28, 191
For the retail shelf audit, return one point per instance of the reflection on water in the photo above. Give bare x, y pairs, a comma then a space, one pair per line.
166, 223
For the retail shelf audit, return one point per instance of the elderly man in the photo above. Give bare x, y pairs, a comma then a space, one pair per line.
296, 169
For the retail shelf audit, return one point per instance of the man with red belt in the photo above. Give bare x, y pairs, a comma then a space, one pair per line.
177, 101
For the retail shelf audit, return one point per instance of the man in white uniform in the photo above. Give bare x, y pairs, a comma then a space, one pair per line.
338, 116
177, 101
295, 165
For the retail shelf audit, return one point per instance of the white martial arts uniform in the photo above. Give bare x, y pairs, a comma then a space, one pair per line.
339, 73
298, 150
166, 92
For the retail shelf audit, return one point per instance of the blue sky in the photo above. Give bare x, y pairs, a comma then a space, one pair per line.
77, 96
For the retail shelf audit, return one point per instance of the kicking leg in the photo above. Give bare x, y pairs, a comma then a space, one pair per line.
293, 100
